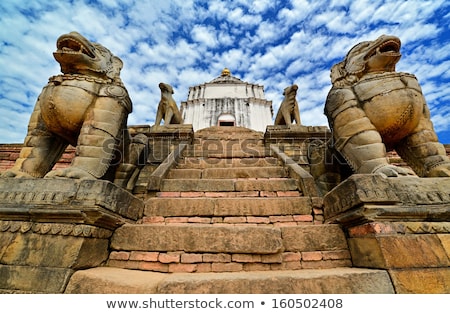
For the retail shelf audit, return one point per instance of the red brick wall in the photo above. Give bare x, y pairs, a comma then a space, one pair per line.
10, 152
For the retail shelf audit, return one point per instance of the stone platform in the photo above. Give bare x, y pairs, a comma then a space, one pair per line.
401, 225
49, 228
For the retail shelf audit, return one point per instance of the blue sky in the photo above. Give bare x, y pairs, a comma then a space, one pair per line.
188, 42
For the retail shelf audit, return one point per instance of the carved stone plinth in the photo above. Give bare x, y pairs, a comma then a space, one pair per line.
295, 131
50, 228
295, 139
366, 198
164, 138
398, 224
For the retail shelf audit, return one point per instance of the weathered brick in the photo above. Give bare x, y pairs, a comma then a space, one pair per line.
154, 266
234, 220
303, 218
334, 255
312, 256
288, 193
293, 265
192, 194
272, 258
217, 258
291, 256
268, 194
119, 255
171, 257
219, 194
281, 218
258, 220
246, 194
153, 220
144, 256
246, 258
177, 219
202, 220
189, 258
204, 268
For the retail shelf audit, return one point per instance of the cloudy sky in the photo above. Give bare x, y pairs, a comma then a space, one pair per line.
184, 43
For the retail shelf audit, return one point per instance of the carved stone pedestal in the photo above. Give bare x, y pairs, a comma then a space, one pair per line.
49, 228
294, 139
398, 224
164, 138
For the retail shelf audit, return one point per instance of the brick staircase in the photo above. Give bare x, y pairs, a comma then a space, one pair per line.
229, 218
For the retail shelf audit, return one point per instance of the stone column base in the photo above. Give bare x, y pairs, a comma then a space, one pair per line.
49, 228
398, 224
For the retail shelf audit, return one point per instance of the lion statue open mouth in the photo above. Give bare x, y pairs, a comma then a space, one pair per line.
87, 106
371, 108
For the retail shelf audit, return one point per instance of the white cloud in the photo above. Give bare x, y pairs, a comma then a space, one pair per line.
188, 42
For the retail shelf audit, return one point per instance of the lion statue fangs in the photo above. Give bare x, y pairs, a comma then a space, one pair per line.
87, 106
372, 108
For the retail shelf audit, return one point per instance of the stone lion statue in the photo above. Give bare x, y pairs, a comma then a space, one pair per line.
167, 107
371, 108
87, 106
288, 111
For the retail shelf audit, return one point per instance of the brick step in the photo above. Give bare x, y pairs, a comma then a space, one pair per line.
343, 280
228, 173
205, 162
229, 185
220, 239
228, 207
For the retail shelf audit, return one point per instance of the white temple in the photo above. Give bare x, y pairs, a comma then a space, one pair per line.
227, 101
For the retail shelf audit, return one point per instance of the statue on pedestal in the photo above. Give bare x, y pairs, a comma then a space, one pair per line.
288, 111
87, 107
167, 107
371, 108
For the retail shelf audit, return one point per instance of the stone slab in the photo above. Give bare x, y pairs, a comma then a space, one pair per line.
283, 184
96, 202
108, 280
203, 163
398, 251
205, 185
31, 279
421, 280
363, 198
259, 206
334, 281
244, 172
197, 238
31, 249
230, 206
314, 238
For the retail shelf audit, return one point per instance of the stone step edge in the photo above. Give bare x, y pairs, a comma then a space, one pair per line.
317, 281
228, 194
229, 185
236, 221
175, 262
228, 173
201, 204
202, 238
